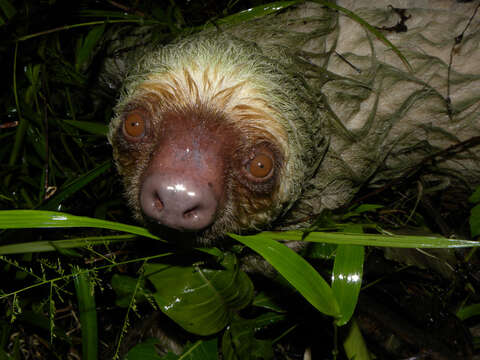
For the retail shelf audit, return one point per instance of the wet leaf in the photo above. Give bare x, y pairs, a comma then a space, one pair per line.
347, 276
296, 270
347, 279
200, 299
20, 219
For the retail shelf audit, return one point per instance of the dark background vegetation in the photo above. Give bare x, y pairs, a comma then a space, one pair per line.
54, 156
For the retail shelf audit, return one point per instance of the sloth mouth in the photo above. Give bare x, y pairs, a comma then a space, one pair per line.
184, 238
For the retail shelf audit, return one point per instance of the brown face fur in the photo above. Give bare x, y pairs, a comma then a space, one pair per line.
230, 174
208, 138
329, 124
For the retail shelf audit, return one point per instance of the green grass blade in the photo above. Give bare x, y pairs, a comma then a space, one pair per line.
399, 241
469, 311
91, 127
297, 271
76, 185
55, 245
354, 344
255, 12
22, 219
88, 315
347, 279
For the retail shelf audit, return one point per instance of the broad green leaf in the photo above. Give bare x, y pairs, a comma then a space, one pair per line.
354, 344
475, 221
21, 219
201, 350
400, 241
125, 286
239, 342
347, 279
201, 300
296, 270
145, 351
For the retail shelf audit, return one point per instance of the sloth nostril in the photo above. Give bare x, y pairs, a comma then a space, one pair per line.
191, 214
158, 203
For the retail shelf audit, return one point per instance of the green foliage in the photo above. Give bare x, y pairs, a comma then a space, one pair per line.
200, 350
297, 271
88, 315
475, 213
54, 156
354, 344
239, 342
347, 279
145, 351
199, 299
20, 219
255, 12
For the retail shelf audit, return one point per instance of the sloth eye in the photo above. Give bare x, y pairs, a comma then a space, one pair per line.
260, 166
134, 125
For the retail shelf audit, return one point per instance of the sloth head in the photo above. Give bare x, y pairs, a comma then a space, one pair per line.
208, 139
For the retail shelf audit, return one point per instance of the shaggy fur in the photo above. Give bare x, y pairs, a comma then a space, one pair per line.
337, 105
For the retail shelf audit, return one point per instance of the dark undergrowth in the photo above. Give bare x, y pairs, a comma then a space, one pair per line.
94, 296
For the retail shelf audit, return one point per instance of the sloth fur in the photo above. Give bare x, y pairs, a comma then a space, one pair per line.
335, 105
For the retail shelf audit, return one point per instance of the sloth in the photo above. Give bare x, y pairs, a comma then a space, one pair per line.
263, 124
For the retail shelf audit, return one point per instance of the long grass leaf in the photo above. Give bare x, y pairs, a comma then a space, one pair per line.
88, 315
398, 241
20, 219
297, 271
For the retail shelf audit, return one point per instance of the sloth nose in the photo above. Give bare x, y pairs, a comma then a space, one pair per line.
178, 203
